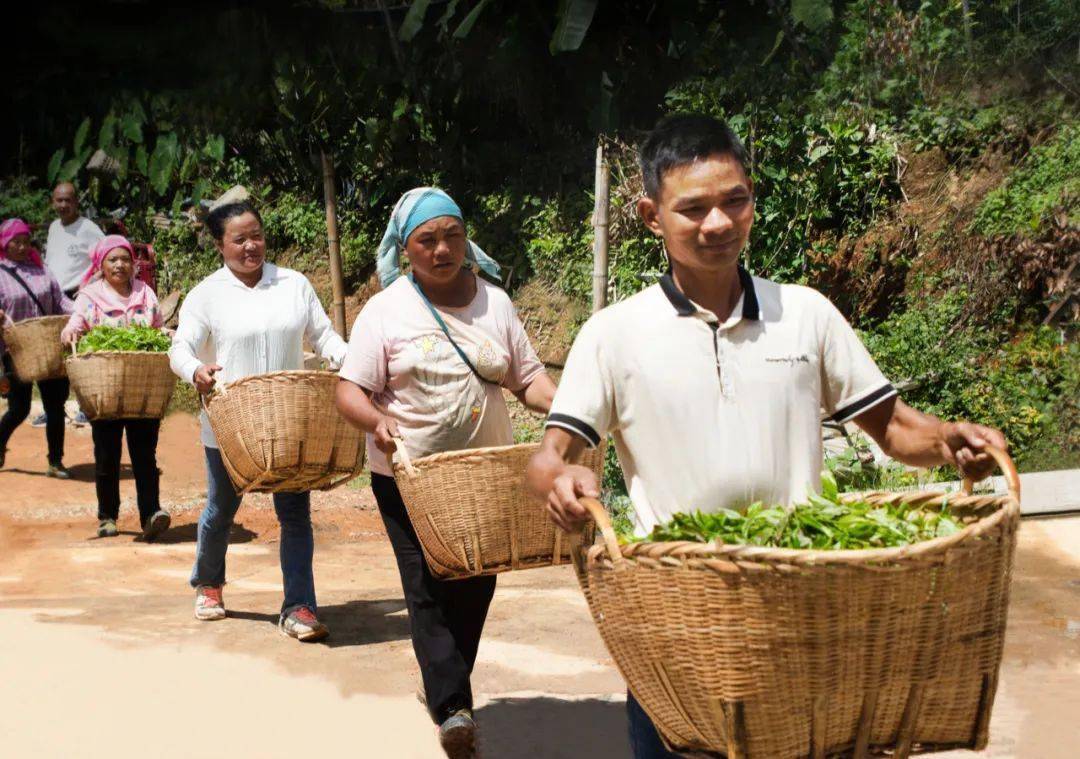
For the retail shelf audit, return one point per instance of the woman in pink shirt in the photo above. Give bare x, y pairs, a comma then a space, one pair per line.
111, 295
427, 363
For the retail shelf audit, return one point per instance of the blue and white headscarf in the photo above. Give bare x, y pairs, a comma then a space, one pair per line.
413, 209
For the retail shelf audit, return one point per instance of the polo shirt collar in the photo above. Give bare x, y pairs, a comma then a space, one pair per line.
685, 307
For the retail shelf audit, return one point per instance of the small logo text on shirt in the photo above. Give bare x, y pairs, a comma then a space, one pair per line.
802, 358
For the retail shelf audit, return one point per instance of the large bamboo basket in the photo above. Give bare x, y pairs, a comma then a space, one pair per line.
473, 515
35, 348
281, 432
121, 384
750, 652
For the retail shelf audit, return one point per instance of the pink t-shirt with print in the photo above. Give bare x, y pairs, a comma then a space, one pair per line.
398, 352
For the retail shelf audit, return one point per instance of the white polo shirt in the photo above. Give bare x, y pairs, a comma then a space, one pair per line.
707, 415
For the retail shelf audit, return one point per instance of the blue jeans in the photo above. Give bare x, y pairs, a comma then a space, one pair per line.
297, 542
645, 741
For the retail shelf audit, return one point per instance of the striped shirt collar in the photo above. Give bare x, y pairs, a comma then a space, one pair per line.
686, 307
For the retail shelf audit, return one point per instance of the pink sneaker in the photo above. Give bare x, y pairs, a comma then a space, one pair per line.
303, 625
209, 605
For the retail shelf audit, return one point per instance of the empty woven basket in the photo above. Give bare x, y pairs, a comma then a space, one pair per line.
473, 515
281, 432
35, 348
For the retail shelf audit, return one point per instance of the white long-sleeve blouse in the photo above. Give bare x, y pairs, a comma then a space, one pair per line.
251, 330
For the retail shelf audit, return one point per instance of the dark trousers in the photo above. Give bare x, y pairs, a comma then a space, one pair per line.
645, 741
142, 440
446, 617
53, 394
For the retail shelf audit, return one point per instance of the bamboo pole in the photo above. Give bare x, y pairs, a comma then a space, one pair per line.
600, 231
337, 280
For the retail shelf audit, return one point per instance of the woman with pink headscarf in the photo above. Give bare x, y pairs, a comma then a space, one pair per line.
29, 290
110, 295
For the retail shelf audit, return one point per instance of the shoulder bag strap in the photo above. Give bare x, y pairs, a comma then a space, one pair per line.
26, 287
442, 326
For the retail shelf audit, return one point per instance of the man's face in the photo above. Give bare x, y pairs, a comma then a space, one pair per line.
65, 203
704, 213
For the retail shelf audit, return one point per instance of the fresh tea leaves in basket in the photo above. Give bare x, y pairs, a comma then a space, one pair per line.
823, 523
133, 338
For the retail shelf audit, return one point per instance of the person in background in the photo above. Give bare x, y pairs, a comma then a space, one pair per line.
29, 290
67, 252
250, 317
428, 360
111, 295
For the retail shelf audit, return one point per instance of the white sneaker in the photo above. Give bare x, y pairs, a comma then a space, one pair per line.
209, 605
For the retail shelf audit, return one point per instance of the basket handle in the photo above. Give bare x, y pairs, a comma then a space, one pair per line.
406, 461
74, 348
599, 514
1008, 468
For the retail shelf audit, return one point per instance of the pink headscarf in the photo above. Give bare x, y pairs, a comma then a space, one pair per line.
11, 229
97, 256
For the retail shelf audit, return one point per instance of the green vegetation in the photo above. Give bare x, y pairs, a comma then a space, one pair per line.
901, 152
134, 338
1047, 181
824, 522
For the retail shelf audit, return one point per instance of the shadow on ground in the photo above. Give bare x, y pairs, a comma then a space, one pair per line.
189, 533
551, 728
354, 623
78, 472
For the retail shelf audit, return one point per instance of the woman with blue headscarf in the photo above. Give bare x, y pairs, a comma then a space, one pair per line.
427, 362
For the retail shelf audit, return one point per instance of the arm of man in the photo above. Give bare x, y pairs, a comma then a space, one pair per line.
920, 439
554, 476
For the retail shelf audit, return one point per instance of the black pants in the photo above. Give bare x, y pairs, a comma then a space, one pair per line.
53, 394
446, 616
142, 440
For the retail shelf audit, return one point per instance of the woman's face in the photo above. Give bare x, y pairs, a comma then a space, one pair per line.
243, 247
18, 248
117, 268
436, 250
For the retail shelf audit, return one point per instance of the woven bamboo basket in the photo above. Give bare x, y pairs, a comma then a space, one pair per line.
281, 432
35, 348
748, 652
121, 384
473, 515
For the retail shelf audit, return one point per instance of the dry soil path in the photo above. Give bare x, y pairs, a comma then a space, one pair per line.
101, 656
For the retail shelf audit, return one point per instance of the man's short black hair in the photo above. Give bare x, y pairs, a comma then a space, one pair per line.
215, 220
683, 138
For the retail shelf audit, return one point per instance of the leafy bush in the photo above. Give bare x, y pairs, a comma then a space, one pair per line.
963, 372
20, 198
558, 246
183, 258
1048, 179
291, 221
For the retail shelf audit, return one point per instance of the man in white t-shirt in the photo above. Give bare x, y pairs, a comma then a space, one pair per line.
71, 238
67, 252
712, 381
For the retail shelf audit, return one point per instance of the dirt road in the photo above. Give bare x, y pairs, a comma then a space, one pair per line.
102, 657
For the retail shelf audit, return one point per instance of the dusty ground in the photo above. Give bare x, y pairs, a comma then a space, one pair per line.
101, 656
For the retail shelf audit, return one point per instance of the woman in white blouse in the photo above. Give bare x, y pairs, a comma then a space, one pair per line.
250, 317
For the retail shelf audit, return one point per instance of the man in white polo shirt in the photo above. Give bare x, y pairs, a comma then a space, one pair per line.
712, 381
